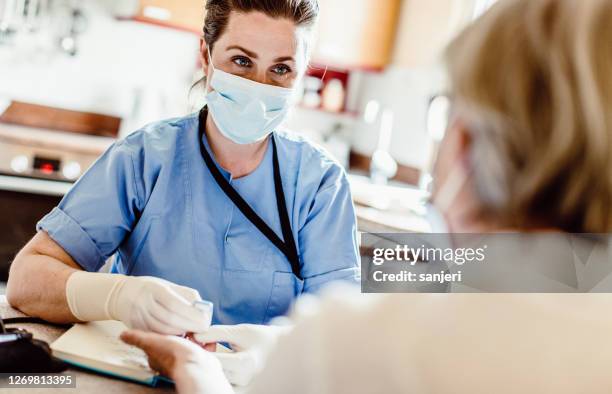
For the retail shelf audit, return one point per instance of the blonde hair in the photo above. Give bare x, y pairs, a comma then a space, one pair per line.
532, 81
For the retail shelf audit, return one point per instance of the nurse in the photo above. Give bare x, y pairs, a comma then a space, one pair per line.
521, 84
220, 204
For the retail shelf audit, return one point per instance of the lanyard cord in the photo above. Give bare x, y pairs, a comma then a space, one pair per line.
287, 247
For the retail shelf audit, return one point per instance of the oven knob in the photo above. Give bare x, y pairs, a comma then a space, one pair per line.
20, 163
71, 170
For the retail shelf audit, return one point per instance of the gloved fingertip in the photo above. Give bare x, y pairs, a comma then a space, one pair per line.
199, 337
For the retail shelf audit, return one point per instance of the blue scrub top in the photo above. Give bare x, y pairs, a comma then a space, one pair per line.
151, 201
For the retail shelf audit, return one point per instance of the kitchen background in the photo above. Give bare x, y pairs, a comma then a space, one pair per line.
77, 74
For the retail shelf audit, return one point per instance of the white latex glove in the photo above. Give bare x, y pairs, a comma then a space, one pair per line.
141, 302
251, 344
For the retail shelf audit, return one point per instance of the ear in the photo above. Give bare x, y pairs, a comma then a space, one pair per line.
204, 55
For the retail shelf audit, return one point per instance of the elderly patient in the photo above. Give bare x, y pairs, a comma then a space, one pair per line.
528, 148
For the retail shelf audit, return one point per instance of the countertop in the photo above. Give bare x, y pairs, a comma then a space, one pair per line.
388, 208
372, 220
86, 382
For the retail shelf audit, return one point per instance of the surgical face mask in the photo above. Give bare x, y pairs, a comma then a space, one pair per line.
246, 111
444, 198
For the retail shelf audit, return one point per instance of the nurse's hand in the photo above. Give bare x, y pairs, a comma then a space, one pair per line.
145, 303
251, 344
154, 304
193, 369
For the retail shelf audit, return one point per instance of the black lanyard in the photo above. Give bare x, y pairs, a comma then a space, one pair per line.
287, 247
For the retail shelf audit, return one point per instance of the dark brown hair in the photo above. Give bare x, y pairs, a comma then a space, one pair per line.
303, 12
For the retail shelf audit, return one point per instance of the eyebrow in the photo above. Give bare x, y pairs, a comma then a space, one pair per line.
285, 59
254, 55
246, 51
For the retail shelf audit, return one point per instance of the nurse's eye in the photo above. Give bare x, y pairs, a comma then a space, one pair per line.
281, 69
242, 61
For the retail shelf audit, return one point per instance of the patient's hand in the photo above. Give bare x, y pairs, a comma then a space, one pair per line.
193, 369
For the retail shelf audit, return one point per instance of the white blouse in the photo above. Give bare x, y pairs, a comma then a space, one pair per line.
444, 343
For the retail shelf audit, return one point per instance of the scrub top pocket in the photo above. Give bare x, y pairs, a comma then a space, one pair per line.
285, 288
241, 294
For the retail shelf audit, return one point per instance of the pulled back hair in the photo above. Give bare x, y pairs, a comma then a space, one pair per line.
531, 80
303, 13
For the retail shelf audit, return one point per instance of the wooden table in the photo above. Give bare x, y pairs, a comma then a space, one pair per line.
86, 382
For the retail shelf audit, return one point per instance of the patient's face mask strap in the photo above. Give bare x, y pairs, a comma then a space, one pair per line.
448, 191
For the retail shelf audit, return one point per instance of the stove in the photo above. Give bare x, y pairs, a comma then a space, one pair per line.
38, 165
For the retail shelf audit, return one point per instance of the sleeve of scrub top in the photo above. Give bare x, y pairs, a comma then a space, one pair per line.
98, 212
328, 239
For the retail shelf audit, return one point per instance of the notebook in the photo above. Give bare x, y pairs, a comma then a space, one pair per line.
96, 346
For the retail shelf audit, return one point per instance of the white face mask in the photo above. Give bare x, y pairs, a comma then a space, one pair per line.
246, 111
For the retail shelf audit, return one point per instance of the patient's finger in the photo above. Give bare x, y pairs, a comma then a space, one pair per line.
160, 354
141, 339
